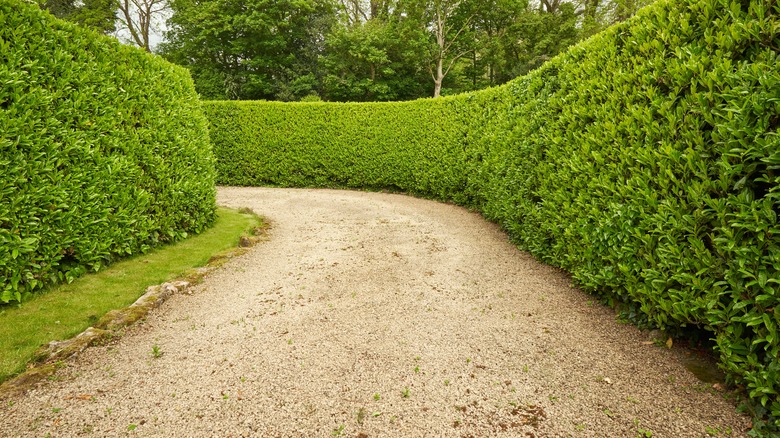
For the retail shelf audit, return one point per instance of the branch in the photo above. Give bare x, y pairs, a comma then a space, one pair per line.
362, 13
124, 6
465, 25
457, 57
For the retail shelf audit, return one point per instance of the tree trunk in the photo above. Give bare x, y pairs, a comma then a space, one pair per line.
474, 72
137, 15
439, 77
441, 23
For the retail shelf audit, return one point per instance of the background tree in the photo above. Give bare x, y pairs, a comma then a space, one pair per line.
496, 42
541, 34
447, 24
367, 50
597, 15
374, 52
253, 49
96, 14
137, 18
359, 11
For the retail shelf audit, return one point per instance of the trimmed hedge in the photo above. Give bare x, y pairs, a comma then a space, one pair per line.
339, 145
645, 161
104, 151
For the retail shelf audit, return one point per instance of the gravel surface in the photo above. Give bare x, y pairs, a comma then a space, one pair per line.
376, 315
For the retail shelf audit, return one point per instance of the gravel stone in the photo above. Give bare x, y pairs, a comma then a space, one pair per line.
375, 315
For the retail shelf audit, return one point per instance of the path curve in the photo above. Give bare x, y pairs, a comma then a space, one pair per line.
375, 315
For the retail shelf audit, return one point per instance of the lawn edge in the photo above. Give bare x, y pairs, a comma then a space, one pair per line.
50, 357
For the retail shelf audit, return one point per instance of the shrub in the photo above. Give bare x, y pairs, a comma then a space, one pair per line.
313, 97
645, 161
103, 151
338, 145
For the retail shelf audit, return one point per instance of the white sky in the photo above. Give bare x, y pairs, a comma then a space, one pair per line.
156, 31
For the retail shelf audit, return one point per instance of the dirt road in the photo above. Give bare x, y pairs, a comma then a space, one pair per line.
376, 315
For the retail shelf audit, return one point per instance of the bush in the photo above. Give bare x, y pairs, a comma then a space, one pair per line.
104, 151
338, 145
645, 161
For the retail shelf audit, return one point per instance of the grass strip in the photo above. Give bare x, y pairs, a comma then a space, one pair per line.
66, 310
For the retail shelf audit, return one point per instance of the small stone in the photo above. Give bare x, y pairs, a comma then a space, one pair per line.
607, 380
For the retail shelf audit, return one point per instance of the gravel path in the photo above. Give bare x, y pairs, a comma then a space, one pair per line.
376, 315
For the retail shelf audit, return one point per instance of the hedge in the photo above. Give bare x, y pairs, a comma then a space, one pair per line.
104, 151
339, 145
645, 161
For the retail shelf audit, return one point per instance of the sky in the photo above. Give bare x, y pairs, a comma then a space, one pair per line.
156, 32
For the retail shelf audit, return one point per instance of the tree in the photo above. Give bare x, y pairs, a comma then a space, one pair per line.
361, 11
99, 15
622, 10
447, 31
253, 49
597, 15
593, 15
374, 60
543, 34
446, 22
481, 43
508, 38
137, 18
367, 50
494, 57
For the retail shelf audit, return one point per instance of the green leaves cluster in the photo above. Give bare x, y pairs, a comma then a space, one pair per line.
378, 50
99, 15
394, 145
249, 49
654, 176
646, 161
377, 60
103, 151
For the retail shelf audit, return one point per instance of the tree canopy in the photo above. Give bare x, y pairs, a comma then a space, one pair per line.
250, 49
96, 14
351, 50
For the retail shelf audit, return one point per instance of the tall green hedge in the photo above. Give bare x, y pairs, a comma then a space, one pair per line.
104, 151
339, 145
645, 161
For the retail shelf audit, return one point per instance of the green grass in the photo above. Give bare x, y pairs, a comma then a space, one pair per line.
66, 310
